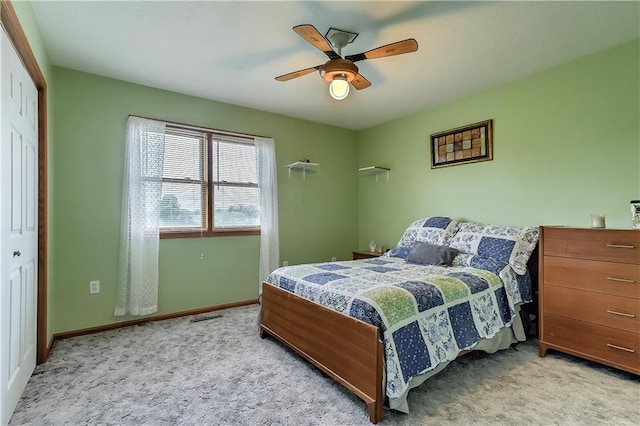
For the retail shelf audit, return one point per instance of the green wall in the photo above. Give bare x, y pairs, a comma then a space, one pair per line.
317, 216
566, 144
29, 25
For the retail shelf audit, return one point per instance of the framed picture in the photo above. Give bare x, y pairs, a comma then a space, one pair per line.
466, 144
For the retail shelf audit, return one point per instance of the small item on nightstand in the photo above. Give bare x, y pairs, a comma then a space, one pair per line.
597, 220
635, 214
372, 246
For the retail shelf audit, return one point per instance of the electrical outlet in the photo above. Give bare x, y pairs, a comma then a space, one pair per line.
94, 287
333, 259
285, 263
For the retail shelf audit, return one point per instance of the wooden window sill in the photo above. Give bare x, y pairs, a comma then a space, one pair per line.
216, 233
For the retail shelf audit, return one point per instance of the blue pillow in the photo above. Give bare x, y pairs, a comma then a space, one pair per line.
508, 244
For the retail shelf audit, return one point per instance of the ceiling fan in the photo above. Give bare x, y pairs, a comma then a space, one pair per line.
338, 71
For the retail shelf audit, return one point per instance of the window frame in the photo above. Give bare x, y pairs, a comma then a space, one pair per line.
208, 188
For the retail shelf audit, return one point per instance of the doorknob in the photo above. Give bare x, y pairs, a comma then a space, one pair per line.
16, 253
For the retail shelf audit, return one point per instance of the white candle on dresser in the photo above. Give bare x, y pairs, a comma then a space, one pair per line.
597, 220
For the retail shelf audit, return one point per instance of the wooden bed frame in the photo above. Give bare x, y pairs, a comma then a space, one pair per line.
346, 349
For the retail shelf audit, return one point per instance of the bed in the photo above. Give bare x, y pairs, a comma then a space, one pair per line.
382, 326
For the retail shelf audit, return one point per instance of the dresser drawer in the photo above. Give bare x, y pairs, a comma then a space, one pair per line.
620, 279
611, 311
596, 244
601, 343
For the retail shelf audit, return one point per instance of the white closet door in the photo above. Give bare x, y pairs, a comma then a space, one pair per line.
18, 227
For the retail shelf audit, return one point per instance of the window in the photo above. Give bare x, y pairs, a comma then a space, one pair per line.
209, 184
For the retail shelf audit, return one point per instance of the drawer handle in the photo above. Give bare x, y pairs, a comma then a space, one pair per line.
621, 246
622, 348
622, 280
622, 314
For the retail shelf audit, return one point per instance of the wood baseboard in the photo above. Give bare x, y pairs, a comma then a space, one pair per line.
113, 326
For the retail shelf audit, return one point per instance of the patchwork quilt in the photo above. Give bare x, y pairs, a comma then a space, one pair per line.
426, 314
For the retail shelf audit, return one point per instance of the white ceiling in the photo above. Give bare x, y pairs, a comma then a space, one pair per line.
230, 51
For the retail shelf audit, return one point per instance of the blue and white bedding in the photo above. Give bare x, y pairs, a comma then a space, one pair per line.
426, 314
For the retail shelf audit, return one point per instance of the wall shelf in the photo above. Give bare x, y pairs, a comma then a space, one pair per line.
375, 170
301, 165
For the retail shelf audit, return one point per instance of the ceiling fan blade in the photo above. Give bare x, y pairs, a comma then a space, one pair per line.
299, 73
309, 33
359, 82
397, 48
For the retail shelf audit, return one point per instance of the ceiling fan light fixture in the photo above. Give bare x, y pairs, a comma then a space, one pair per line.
339, 67
341, 72
339, 88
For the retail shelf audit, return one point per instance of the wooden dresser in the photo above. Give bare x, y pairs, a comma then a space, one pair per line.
590, 294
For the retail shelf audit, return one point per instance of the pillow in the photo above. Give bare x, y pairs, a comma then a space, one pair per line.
436, 230
429, 254
522, 293
507, 244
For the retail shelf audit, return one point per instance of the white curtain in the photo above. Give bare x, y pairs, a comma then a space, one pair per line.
137, 291
269, 235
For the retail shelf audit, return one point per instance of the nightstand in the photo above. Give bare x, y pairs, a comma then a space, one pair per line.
365, 254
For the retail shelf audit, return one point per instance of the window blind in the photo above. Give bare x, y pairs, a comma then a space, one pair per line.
235, 190
184, 182
210, 181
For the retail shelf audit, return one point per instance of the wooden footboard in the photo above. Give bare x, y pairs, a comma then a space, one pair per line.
346, 349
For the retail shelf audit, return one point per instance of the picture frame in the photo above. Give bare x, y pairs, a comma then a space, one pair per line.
466, 144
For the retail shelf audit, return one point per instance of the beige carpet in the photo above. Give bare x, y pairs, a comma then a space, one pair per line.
219, 372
